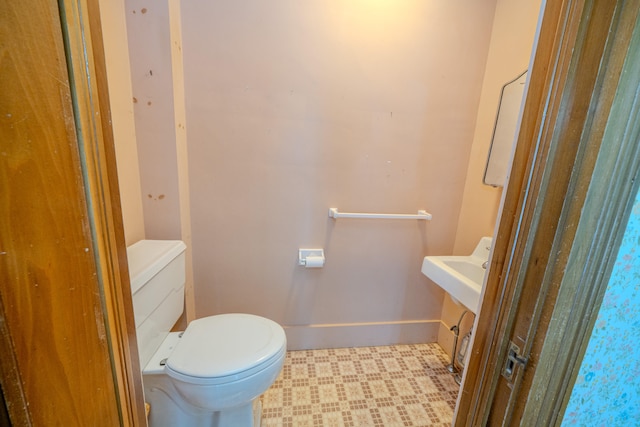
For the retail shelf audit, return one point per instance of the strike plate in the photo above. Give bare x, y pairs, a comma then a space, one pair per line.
514, 358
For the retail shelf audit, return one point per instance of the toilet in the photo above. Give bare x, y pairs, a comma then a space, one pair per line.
214, 372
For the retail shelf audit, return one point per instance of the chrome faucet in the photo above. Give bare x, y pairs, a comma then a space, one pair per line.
485, 264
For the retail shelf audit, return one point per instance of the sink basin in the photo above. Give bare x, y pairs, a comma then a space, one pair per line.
461, 277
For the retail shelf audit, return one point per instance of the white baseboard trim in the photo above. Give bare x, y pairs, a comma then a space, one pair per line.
339, 335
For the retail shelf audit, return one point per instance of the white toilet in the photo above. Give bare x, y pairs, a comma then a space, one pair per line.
214, 372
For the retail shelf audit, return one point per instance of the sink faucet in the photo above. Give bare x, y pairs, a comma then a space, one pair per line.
484, 264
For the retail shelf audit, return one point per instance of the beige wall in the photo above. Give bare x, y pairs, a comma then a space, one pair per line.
295, 107
514, 29
148, 28
112, 15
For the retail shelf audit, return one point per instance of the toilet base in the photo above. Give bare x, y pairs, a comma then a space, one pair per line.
257, 412
241, 416
169, 412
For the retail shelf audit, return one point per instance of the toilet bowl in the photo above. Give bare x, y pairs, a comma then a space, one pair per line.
214, 372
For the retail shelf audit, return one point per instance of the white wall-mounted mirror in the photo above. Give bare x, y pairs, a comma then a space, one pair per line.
504, 132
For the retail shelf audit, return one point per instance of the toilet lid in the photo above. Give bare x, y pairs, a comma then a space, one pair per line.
225, 345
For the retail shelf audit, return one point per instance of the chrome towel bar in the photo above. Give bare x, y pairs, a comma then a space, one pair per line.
423, 215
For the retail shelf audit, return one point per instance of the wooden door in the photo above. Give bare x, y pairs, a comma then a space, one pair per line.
68, 342
574, 176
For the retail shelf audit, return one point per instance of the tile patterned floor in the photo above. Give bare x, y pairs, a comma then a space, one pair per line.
403, 385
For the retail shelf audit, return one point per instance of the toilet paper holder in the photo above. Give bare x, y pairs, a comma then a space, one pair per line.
311, 258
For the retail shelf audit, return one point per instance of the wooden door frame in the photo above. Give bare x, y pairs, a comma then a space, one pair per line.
86, 60
553, 221
608, 202
87, 83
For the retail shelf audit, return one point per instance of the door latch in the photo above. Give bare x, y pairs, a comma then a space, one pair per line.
513, 359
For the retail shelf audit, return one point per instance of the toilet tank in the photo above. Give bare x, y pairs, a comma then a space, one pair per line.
157, 273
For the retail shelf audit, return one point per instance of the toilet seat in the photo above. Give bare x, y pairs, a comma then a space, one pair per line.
226, 348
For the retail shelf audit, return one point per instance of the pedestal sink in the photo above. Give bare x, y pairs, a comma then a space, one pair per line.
460, 276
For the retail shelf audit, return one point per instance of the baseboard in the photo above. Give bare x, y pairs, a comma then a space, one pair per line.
306, 337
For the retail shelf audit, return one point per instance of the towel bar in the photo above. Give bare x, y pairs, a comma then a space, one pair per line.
422, 214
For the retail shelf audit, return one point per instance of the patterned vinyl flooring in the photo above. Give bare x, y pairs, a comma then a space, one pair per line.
402, 385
